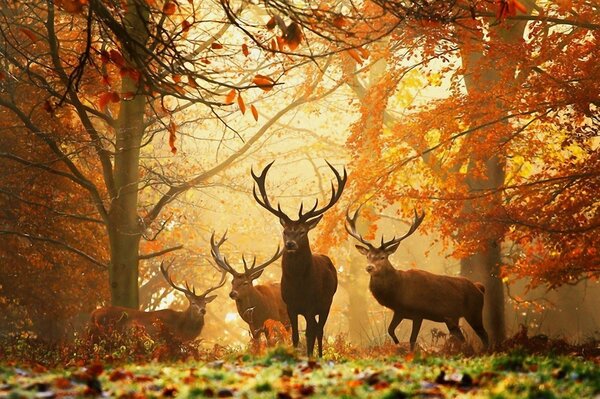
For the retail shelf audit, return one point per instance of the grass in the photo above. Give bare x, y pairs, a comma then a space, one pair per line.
280, 373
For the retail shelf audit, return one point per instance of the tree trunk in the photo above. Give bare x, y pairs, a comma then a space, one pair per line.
484, 266
124, 228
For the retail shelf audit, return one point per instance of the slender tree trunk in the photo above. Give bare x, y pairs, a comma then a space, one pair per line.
124, 228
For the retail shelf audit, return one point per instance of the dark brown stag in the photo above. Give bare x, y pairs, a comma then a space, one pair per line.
182, 326
417, 294
308, 281
255, 303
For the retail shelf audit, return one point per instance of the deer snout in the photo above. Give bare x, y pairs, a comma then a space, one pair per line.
370, 268
233, 295
290, 245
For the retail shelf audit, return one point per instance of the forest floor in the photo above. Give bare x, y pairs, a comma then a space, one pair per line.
281, 374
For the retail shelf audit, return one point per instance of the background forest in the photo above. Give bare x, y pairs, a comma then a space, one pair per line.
128, 130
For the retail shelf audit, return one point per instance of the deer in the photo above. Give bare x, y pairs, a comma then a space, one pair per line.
308, 281
255, 303
417, 294
182, 326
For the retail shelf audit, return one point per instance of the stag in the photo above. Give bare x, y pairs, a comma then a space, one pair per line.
417, 294
181, 326
308, 281
255, 303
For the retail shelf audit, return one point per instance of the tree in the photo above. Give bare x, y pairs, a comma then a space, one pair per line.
122, 76
482, 156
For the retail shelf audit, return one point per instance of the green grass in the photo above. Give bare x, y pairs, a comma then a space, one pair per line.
281, 374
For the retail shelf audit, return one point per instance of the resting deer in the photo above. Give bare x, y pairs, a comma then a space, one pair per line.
417, 294
308, 281
181, 325
255, 303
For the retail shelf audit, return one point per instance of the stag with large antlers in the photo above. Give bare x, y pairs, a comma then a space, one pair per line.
255, 303
308, 281
180, 325
417, 294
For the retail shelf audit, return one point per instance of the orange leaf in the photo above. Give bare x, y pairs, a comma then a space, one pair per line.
520, 7
241, 104
176, 78
293, 36
169, 8
114, 97
354, 54
172, 128
271, 24
216, 46
280, 43
117, 58
106, 80
245, 50
104, 99
192, 82
185, 26
29, 34
364, 53
230, 97
340, 22
264, 82
254, 112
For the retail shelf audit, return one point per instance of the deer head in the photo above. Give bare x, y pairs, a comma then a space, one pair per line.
295, 232
377, 257
241, 285
197, 302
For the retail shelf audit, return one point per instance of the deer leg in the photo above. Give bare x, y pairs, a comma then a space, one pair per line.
294, 324
476, 324
396, 319
311, 334
415, 332
320, 328
455, 330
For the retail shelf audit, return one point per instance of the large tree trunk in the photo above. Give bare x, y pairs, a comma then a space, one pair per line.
124, 227
484, 266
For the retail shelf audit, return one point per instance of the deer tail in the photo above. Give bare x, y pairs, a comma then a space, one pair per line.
480, 287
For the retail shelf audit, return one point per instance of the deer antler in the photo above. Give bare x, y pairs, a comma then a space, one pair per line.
220, 259
351, 229
302, 217
415, 224
335, 196
260, 182
165, 273
223, 264
254, 270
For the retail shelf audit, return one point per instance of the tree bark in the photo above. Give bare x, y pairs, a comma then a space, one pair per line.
484, 266
124, 227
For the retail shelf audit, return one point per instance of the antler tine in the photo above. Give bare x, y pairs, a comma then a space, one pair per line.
335, 195
351, 221
416, 223
220, 260
256, 269
264, 200
165, 273
219, 285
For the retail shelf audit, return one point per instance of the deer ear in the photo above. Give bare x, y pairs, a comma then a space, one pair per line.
390, 250
256, 275
314, 222
209, 299
362, 250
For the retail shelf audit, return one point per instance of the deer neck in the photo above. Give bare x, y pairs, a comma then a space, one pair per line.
190, 322
298, 261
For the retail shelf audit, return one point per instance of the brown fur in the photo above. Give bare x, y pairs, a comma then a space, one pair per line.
259, 303
308, 283
182, 326
418, 295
